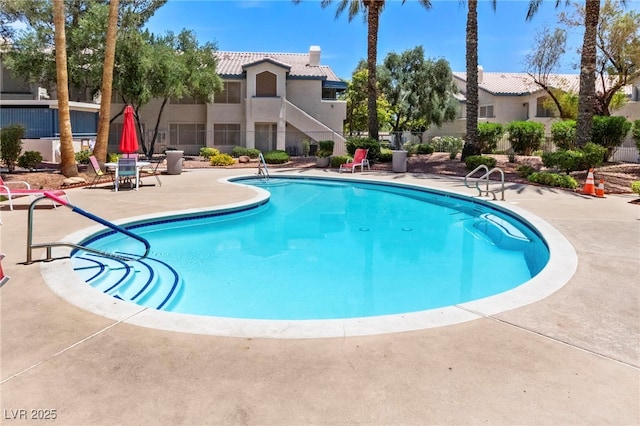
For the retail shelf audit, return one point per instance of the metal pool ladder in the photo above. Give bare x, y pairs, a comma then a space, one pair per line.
485, 178
263, 170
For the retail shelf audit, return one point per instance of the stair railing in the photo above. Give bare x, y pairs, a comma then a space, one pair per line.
49, 246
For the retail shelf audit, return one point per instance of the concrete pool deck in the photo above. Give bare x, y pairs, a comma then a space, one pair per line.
571, 358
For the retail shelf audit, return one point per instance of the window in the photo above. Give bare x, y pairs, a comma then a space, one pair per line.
541, 107
226, 134
187, 134
230, 93
486, 111
266, 83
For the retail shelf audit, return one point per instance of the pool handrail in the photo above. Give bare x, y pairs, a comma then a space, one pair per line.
485, 178
263, 170
48, 246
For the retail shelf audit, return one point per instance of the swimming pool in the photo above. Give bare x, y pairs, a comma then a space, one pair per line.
375, 237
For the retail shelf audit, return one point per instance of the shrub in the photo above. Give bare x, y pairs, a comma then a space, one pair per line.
635, 186
276, 157
474, 161
450, 144
30, 160
325, 149
563, 134
525, 170
386, 155
238, 151
11, 145
367, 143
424, 148
635, 132
82, 157
568, 160
339, 159
113, 157
221, 160
208, 152
306, 147
609, 132
553, 179
525, 136
489, 135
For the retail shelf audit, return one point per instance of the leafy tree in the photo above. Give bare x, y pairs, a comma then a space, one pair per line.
542, 62
357, 109
164, 67
420, 91
11, 145
372, 10
33, 55
618, 51
610, 132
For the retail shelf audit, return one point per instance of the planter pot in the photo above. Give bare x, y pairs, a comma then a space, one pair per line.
399, 161
322, 161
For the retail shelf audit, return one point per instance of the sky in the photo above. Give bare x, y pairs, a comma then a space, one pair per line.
505, 37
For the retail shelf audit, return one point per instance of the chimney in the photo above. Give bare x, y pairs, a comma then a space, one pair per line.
480, 74
314, 56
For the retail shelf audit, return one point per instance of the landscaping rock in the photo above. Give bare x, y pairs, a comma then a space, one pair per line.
244, 159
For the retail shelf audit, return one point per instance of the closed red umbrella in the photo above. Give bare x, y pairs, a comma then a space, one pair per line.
129, 137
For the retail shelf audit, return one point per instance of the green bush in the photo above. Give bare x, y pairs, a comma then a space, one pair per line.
569, 161
635, 132
553, 179
238, 151
489, 135
276, 157
372, 145
525, 170
525, 136
563, 134
11, 145
112, 157
474, 161
339, 159
635, 186
451, 144
82, 157
386, 155
208, 152
306, 147
30, 160
609, 132
221, 160
424, 148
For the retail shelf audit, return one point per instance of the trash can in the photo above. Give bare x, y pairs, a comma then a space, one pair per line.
399, 161
174, 162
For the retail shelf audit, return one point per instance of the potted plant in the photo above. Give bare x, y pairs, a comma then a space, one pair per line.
325, 151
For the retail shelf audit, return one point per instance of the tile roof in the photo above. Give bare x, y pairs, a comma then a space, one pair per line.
514, 84
231, 64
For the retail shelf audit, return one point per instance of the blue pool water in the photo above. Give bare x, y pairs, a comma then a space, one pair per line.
321, 249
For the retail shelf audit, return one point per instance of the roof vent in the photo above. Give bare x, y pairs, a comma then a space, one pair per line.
314, 56
480, 74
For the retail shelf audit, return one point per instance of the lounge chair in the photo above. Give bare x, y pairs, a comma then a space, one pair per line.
10, 193
98, 170
359, 159
126, 171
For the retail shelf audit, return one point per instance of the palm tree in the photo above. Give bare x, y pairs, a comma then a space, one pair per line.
102, 139
68, 166
373, 9
587, 94
471, 146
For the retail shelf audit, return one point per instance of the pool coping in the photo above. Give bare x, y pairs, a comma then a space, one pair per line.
62, 280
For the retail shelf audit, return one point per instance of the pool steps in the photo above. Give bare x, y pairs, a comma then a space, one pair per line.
142, 281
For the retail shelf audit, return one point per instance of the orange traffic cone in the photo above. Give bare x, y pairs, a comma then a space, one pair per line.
589, 187
600, 189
